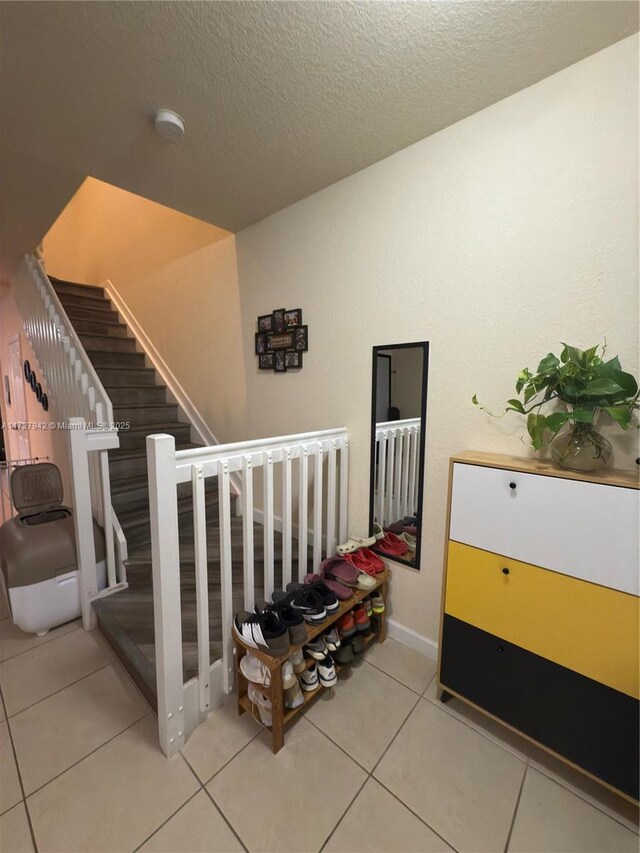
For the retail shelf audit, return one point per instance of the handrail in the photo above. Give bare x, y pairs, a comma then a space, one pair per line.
93, 390
406, 422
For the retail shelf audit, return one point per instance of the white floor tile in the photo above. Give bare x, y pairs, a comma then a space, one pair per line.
377, 823
14, 831
115, 798
13, 641
406, 665
10, 792
31, 676
599, 796
288, 802
197, 828
552, 819
363, 712
53, 734
459, 782
219, 739
480, 722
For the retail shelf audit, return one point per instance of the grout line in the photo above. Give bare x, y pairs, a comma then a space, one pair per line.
19, 774
224, 818
60, 689
41, 644
515, 811
342, 816
397, 680
113, 737
431, 680
415, 814
173, 814
342, 749
220, 769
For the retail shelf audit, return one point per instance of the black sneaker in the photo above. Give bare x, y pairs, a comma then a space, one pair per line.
307, 602
263, 631
329, 598
289, 616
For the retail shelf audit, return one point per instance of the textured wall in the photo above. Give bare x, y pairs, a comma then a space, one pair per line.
494, 240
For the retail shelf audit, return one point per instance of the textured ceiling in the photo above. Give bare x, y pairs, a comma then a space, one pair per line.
280, 99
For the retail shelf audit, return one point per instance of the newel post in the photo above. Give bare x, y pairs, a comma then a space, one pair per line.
83, 519
167, 618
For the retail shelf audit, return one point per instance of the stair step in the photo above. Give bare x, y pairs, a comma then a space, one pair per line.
132, 395
107, 343
107, 315
132, 493
149, 413
100, 303
72, 288
98, 327
136, 515
126, 377
101, 358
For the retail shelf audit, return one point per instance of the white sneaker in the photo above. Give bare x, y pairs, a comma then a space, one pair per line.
257, 697
254, 670
309, 679
327, 672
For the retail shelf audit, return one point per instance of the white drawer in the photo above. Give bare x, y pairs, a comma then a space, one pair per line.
586, 530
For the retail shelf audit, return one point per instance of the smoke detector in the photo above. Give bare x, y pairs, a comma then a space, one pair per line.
169, 124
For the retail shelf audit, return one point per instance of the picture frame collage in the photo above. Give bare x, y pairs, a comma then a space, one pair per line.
281, 340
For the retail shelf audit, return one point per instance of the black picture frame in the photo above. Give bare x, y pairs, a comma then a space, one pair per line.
278, 320
279, 362
44, 402
301, 339
266, 361
280, 341
265, 323
293, 318
260, 343
293, 359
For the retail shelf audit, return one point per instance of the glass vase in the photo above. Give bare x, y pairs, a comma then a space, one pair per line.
580, 447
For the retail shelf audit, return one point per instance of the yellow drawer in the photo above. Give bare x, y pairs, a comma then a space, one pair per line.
588, 628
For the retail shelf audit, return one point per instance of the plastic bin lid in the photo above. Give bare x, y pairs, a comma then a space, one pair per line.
36, 488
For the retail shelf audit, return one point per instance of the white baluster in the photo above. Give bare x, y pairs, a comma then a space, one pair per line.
267, 510
226, 573
331, 499
286, 518
303, 509
202, 585
317, 509
343, 527
247, 533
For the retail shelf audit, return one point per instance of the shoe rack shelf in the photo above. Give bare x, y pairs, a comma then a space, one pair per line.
280, 715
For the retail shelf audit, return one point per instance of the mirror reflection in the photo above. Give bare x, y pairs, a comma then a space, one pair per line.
399, 402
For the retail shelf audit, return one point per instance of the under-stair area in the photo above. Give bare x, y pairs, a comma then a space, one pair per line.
141, 400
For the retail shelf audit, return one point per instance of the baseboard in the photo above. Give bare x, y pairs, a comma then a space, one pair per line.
410, 638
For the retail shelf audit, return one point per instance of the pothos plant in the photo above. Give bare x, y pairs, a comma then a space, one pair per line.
584, 381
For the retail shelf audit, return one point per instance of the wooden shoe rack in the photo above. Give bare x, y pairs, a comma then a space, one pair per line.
279, 714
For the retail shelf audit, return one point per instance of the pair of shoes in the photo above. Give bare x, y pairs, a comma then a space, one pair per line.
393, 546
314, 601
409, 539
254, 670
377, 603
355, 542
263, 631
356, 620
327, 642
291, 688
366, 561
342, 571
298, 661
291, 618
323, 672
349, 649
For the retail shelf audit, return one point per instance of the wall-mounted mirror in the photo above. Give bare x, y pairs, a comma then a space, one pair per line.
398, 425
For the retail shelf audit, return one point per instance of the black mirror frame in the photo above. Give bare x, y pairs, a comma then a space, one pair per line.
414, 564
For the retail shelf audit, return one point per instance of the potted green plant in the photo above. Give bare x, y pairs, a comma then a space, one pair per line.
587, 384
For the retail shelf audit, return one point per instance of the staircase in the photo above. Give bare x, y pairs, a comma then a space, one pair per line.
140, 399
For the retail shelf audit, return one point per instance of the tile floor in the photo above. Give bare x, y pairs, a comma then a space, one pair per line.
378, 764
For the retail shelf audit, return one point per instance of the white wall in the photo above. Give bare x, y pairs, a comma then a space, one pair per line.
494, 239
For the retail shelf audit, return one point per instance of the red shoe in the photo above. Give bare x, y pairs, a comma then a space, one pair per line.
361, 618
346, 626
392, 545
375, 560
360, 560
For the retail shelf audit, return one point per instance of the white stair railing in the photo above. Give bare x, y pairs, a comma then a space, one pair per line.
396, 479
79, 400
322, 460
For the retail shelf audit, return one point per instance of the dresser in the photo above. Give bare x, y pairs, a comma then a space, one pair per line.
540, 616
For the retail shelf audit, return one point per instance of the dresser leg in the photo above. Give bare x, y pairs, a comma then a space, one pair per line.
445, 696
